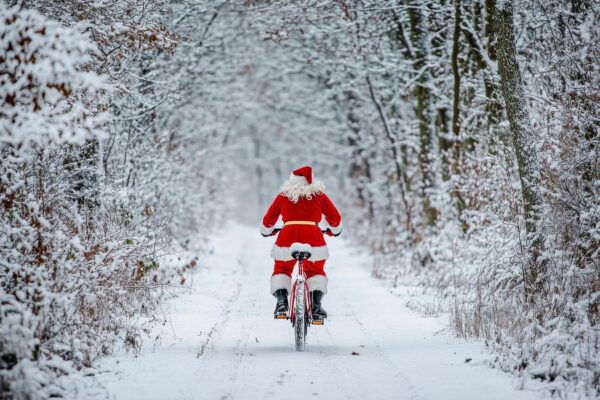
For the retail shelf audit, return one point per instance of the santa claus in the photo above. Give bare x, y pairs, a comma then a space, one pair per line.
301, 203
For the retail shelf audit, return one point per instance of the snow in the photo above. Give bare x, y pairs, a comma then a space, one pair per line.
46, 75
219, 340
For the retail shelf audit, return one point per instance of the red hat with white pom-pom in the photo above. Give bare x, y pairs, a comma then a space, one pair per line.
302, 176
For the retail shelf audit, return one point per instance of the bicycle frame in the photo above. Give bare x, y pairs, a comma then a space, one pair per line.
300, 280
300, 297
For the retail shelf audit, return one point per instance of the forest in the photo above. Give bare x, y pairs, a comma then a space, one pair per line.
459, 138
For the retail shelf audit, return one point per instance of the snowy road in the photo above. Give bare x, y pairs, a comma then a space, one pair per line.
223, 343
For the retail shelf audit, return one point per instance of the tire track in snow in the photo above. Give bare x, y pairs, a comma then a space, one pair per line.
225, 366
245, 308
334, 370
377, 348
239, 351
217, 327
214, 331
382, 355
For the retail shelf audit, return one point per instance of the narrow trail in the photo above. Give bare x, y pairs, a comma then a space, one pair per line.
222, 342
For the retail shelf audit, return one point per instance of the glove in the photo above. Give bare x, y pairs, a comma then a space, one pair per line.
328, 232
272, 231
266, 232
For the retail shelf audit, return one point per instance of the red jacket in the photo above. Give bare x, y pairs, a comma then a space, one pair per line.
303, 210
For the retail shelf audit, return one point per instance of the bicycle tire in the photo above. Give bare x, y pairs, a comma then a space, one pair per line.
300, 321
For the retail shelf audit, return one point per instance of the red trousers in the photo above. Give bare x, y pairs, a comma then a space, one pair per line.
310, 268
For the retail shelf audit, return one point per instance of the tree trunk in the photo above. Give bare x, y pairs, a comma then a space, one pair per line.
423, 110
398, 167
455, 170
492, 108
456, 83
523, 142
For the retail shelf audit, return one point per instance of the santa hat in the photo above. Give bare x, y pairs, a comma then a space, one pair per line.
302, 176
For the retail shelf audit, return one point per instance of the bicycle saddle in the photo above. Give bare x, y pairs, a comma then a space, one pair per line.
300, 251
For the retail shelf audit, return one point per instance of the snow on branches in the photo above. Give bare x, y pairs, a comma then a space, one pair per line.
48, 96
80, 251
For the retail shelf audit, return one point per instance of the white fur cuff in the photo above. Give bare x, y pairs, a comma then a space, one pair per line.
281, 281
317, 253
317, 282
266, 231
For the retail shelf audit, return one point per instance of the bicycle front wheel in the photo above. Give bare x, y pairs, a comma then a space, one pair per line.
300, 322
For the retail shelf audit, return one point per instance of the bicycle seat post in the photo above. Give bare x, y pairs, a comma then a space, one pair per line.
300, 253
300, 267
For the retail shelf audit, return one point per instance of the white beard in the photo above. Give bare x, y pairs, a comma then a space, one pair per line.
294, 191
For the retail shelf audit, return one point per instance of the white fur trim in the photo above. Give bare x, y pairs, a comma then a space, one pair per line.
300, 247
317, 282
335, 229
318, 253
297, 179
266, 231
294, 191
281, 281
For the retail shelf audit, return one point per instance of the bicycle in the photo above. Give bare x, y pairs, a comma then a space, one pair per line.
300, 310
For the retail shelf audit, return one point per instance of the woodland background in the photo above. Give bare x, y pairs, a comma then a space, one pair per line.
460, 139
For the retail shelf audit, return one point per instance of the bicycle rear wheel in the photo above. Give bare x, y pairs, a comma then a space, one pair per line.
300, 321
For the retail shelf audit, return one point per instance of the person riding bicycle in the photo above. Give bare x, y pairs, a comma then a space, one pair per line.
301, 203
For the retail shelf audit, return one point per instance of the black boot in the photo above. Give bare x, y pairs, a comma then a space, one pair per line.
318, 312
281, 308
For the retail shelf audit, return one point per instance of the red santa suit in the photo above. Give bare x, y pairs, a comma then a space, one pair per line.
301, 204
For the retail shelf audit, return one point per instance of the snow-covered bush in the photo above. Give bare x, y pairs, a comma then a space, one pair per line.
51, 106
45, 89
80, 251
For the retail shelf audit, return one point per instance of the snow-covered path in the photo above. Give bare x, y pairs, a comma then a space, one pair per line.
223, 343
